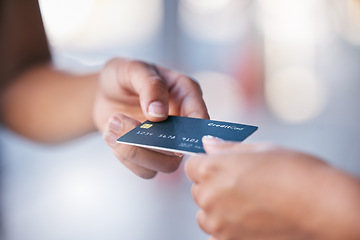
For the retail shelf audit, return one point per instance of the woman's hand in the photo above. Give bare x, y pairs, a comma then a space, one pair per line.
266, 192
132, 91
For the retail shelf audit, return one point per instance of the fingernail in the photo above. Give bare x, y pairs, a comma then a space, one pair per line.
157, 109
179, 154
208, 139
115, 124
110, 138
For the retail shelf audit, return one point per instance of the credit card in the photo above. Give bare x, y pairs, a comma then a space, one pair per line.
184, 134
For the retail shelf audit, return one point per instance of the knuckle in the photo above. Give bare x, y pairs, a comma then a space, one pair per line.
172, 166
116, 60
209, 223
206, 202
131, 153
195, 192
206, 170
119, 116
156, 81
190, 83
196, 86
200, 218
216, 226
203, 172
203, 203
204, 198
118, 153
113, 61
200, 198
138, 64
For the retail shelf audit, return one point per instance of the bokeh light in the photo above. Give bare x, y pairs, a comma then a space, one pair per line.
295, 95
206, 6
218, 21
98, 24
346, 18
223, 96
64, 18
292, 21
291, 30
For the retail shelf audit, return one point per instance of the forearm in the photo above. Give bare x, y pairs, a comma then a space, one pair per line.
48, 105
338, 206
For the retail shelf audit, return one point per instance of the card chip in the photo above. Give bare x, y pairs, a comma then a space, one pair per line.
146, 125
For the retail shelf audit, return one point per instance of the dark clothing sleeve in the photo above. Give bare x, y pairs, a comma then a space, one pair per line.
23, 41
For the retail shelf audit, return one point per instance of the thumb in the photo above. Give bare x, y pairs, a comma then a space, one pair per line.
153, 92
214, 144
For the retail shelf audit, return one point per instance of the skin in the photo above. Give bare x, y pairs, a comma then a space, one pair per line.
261, 191
50, 106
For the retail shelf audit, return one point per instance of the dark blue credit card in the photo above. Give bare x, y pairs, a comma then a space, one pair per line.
183, 134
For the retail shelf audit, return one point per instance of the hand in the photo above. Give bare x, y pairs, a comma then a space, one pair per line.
266, 192
130, 92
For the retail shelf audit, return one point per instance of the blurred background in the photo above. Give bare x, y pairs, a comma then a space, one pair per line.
291, 67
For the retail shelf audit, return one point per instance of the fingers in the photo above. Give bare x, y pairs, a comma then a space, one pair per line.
212, 224
192, 166
208, 224
185, 93
143, 162
200, 167
156, 85
159, 90
195, 191
217, 145
117, 126
147, 158
213, 144
152, 89
138, 82
201, 218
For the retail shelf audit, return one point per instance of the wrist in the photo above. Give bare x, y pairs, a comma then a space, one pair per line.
338, 208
